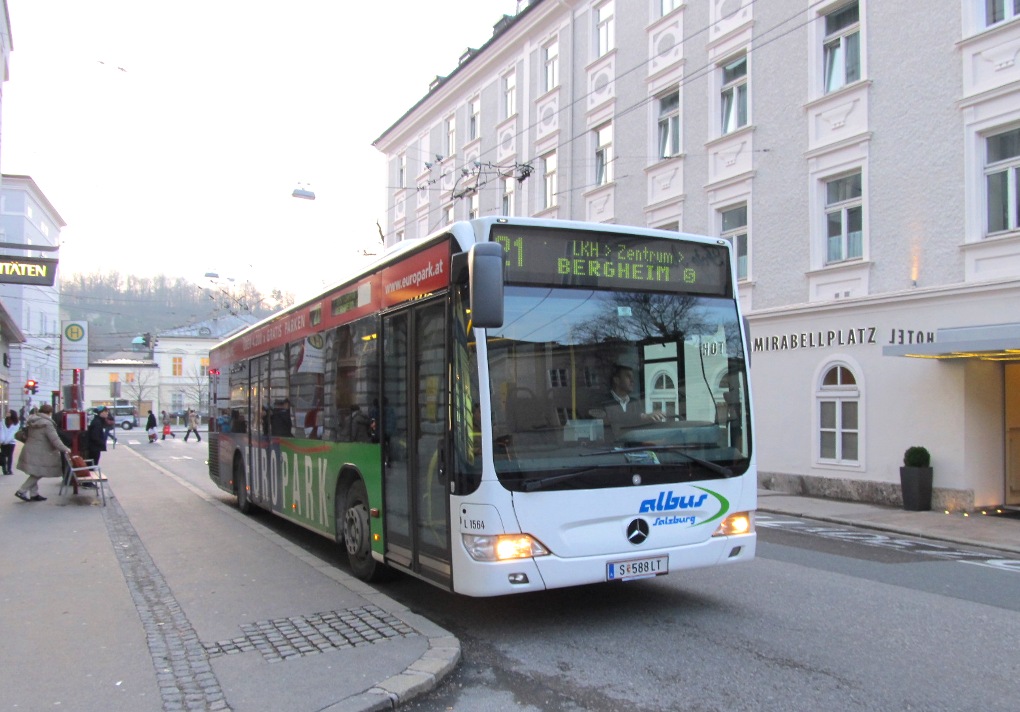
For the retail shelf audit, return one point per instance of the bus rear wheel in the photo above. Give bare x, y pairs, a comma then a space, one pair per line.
357, 533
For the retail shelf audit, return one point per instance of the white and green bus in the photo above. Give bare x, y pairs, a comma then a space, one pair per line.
509, 405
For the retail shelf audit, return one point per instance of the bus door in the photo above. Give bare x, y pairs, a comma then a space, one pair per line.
258, 424
415, 470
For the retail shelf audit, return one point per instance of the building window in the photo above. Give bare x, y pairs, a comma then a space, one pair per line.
669, 124
605, 28
509, 94
842, 47
401, 170
838, 417
558, 378
129, 378
844, 219
451, 136
604, 154
734, 95
473, 206
549, 180
999, 10
1002, 173
177, 365
508, 188
448, 214
663, 394
734, 229
668, 6
204, 364
177, 402
551, 58
475, 119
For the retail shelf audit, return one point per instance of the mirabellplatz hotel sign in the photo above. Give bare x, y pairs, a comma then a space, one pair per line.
28, 270
841, 337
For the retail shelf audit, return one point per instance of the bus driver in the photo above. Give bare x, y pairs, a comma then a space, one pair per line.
623, 411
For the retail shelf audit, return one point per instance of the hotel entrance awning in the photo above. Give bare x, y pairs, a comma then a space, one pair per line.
993, 342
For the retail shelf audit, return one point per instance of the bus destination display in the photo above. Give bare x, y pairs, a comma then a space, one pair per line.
573, 258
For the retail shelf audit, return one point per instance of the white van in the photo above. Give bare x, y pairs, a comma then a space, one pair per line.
124, 415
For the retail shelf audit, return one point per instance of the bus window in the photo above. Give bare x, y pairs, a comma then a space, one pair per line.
355, 386
307, 371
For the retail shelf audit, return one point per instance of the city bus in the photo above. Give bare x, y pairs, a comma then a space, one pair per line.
509, 405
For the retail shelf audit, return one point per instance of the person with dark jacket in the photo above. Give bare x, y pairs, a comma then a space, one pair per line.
41, 455
150, 427
95, 436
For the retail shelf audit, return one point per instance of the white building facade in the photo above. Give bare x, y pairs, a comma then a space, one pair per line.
134, 378
182, 358
862, 156
30, 228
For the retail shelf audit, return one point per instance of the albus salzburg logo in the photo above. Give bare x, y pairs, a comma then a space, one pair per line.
691, 509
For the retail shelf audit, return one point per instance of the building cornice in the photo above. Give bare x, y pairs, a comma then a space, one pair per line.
902, 297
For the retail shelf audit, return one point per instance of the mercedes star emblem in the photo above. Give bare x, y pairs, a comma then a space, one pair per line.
637, 531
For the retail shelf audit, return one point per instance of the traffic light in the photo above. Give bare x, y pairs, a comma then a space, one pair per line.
31, 386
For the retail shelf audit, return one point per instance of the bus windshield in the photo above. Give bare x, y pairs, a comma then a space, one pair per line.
595, 388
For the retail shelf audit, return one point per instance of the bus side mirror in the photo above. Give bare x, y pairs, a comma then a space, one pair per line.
485, 280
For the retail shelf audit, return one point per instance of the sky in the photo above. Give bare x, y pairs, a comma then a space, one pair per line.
170, 134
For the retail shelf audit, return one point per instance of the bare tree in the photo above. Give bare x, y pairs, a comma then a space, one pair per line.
143, 387
195, 387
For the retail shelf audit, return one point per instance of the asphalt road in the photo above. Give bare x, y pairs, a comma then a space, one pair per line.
826, 618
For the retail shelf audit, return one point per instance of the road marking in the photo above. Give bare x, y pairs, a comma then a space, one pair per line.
886, 541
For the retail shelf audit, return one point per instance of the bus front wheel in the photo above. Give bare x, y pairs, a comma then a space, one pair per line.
357, 533
241, 483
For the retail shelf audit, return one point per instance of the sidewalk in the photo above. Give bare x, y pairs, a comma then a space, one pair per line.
975, 529
169, 599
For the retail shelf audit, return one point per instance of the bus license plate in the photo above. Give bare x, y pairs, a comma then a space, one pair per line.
638, 568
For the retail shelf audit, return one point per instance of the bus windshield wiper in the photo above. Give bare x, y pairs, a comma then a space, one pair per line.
541, 482
678, 449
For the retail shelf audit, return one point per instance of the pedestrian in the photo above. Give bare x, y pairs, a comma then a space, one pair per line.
192, 425
40, 457
111, 428
150, 427
10, 426
164, 420
95, 436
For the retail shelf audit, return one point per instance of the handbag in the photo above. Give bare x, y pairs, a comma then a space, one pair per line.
21, 436
166, 429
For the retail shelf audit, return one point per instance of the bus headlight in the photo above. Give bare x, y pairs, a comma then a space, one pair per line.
736, 523
503, 547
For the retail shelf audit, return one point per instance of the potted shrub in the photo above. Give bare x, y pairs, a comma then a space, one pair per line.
916, 478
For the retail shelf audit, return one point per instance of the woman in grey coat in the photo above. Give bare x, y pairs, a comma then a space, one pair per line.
40, 455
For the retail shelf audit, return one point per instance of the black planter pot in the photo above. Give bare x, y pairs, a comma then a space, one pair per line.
916, 486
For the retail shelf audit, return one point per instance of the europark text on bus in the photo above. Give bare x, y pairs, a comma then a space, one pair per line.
509, 405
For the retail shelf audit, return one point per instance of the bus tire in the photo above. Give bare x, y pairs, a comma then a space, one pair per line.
241, 483
357, 533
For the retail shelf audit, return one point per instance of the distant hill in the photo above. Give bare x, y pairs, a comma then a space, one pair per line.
119, 308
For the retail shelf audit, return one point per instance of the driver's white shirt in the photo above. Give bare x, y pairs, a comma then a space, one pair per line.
622, 401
